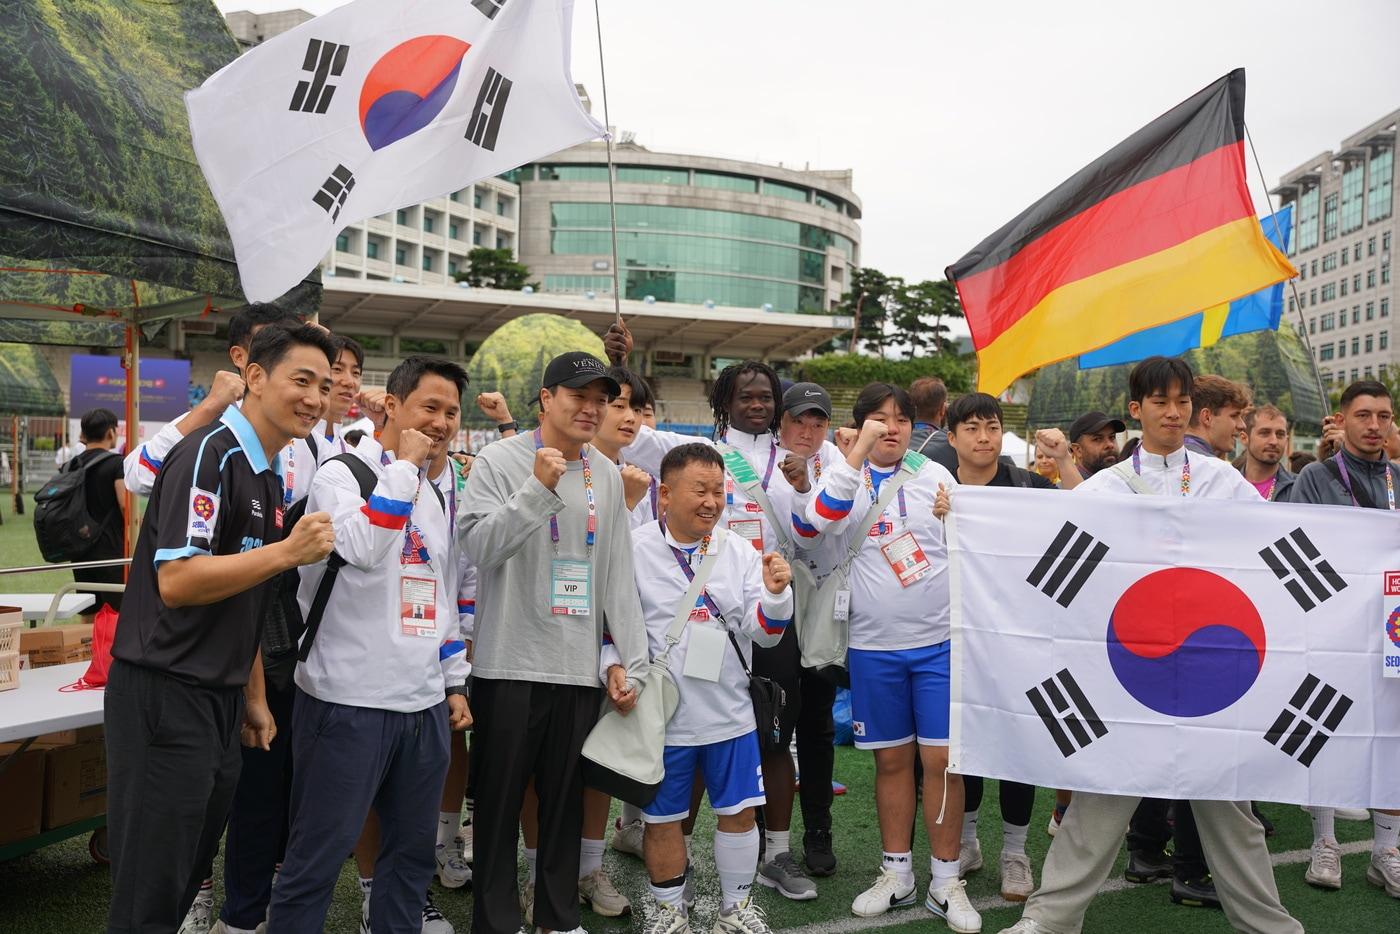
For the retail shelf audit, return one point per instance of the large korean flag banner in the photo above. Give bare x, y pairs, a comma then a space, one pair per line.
377, 105
1145, 645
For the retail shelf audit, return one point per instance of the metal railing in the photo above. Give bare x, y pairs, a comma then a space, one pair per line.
73, 586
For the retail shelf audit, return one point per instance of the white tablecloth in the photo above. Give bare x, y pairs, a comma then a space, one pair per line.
36, 605
38, 706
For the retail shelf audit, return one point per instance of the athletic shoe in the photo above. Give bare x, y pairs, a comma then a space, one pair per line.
577, 930
969, 858
1017, 881
1051, 828
666, 920
743, 918
364, 914
527, 902
818, 854
464, 840
1148, 866
887, 892
952, 905
1384, 871
597, 892
688, 896
782, 873
627, 838
433, 921
1357, 814
452, 870
1027, 926
201, 914
1325, 867
1195, 893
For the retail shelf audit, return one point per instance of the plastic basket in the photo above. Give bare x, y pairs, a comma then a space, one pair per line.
9, 637
9, 671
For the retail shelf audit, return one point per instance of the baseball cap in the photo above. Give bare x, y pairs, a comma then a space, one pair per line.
1090, 422
806, 397
577, 369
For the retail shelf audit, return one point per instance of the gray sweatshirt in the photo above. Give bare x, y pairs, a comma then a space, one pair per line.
1317, 484
504, 526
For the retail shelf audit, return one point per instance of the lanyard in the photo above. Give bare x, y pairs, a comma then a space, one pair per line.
767, 475
1346, 482
592, 528
1185, 469
651, 492
1273, 482
289, 488
817, 465
870, 488
684, 561
413, 541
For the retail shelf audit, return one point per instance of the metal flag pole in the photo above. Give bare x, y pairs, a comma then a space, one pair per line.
612, 199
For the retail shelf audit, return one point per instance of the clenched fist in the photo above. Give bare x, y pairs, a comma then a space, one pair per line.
1052, 442
311, 539
776, 573
549, 466
942, 505
371, 402
636, 482
226, 389
414, 447
617, 343
845, 437
795, 469
493, 406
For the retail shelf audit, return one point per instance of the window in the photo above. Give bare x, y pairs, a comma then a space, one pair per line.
1368, 372
1385, 308
727, 182
452, 231
453, 196
1329, 321
1385, 273
342, 243
1384, 339
1385, 241
1355, 374
1370, 311
476, 199
1344, 288
402, 217
1329, 218
1355, 346
1353, 177
452, 267
503, 206
1379, 192
779, 190
1292, 305
1329, 262
501, 243
1307, 220
1324, 352
1314, 267
1312, 325
1303, 271
1370, 247
1341, 350
1370, 278
372, 250
1345, 254
639, 175
1356, 252
1368, 343
1329, 291
1312, 297
427, 223
427, 262
1356, 314
826, 201
573, 173
476, 236
1356, 282
400, 256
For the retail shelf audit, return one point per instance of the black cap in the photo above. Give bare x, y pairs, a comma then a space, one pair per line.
577, 369
1090, 422
806, 397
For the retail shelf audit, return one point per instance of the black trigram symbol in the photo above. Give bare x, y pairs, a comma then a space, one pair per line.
1295, 559
490, 107
324, 60
1313, 714
489, 8
1066, 713
334, 191
1080, 557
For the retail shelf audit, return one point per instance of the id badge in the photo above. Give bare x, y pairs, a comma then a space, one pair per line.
842, 611
704, 653
418, 606
906, 558
571, 591
748, 529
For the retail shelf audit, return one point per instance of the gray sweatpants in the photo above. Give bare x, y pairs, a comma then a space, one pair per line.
1092, 831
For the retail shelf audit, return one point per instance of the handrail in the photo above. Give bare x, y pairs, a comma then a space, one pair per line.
71, 565
86, 586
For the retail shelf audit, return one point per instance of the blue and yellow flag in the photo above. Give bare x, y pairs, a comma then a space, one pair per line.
1260, 311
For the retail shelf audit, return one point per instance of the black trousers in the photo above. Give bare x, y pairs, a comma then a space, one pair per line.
172, 764
1150, 830
816, 750
1017, 800
524, 730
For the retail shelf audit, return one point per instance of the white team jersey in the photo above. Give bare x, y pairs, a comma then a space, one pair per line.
1209, 477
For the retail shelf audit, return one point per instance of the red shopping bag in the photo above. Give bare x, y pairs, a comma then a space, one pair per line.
104, 629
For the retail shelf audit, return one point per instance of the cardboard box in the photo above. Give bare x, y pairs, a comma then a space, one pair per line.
57, 645
21, 794
87, 734
75, 784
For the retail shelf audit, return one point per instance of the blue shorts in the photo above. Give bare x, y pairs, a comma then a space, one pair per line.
899, 696
733, 779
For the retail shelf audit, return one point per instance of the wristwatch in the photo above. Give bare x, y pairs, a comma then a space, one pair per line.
503, 427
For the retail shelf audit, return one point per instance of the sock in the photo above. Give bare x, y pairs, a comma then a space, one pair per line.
689, 856
630, 813
530, 864
671, 892
1324, 822
365, 886
776, 842
945, 872
447, 827
969, 832
1060, 811
1387, 831
590, 857
469, 808
1013, 838
206, 891
902, 865
736, 859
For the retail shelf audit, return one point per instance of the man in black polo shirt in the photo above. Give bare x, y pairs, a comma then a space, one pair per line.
186, 645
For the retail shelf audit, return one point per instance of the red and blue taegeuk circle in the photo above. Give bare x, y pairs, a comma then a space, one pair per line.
1392, 626
1185, 642
408, 87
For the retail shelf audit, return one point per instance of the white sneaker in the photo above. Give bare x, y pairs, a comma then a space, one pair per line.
1053, 827
666, 920
364, 914
1017, 880
1384, 871
887, 892
1027, 926
1357, 814
200, 915
1325, 866
597, 891
527, 902
969, 858
464, 840
952, 905
452, 870
743, 918
627, 838
433, 921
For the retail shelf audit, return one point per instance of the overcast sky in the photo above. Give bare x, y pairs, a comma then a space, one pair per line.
956, 116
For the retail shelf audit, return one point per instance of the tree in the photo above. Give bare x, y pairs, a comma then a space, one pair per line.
869, 302
495, 269
919, 312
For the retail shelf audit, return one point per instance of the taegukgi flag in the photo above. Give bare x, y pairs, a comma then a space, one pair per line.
377, 105
1172, 648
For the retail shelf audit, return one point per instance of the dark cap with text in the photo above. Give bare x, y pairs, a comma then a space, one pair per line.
577, 369
806, 397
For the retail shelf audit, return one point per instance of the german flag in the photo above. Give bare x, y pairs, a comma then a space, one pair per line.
1156, 229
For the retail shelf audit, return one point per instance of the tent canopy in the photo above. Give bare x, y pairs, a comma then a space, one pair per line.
27, 384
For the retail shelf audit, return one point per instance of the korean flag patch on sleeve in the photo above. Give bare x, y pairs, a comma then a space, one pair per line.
204, 513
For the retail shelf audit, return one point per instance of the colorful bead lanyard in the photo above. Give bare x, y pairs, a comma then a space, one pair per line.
1185, 468
767, 475
817, 465
412, 535
1346, 482
684, 561
592, 528
289, 486
1273, 482
870, 488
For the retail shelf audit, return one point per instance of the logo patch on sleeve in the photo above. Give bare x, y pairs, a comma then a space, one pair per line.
204, 512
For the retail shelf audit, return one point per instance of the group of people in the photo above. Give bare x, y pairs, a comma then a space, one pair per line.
257, 695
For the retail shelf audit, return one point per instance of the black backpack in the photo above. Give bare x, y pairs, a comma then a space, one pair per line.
65, 530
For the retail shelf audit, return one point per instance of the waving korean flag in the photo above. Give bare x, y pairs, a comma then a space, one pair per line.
1176, 648
377, 105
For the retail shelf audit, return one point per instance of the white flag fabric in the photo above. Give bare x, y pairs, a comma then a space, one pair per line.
374, 106
1149, 645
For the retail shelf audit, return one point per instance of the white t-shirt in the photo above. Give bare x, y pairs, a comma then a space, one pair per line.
1210, 477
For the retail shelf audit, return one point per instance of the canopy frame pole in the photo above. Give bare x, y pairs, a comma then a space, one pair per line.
131, 361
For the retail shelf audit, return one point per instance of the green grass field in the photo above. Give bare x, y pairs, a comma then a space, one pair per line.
59, 889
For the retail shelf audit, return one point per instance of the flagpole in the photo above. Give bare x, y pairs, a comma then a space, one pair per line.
1293, 286
612, 198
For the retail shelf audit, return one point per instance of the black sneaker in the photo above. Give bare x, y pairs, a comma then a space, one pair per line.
817, 852
1195, 893
1148, 866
